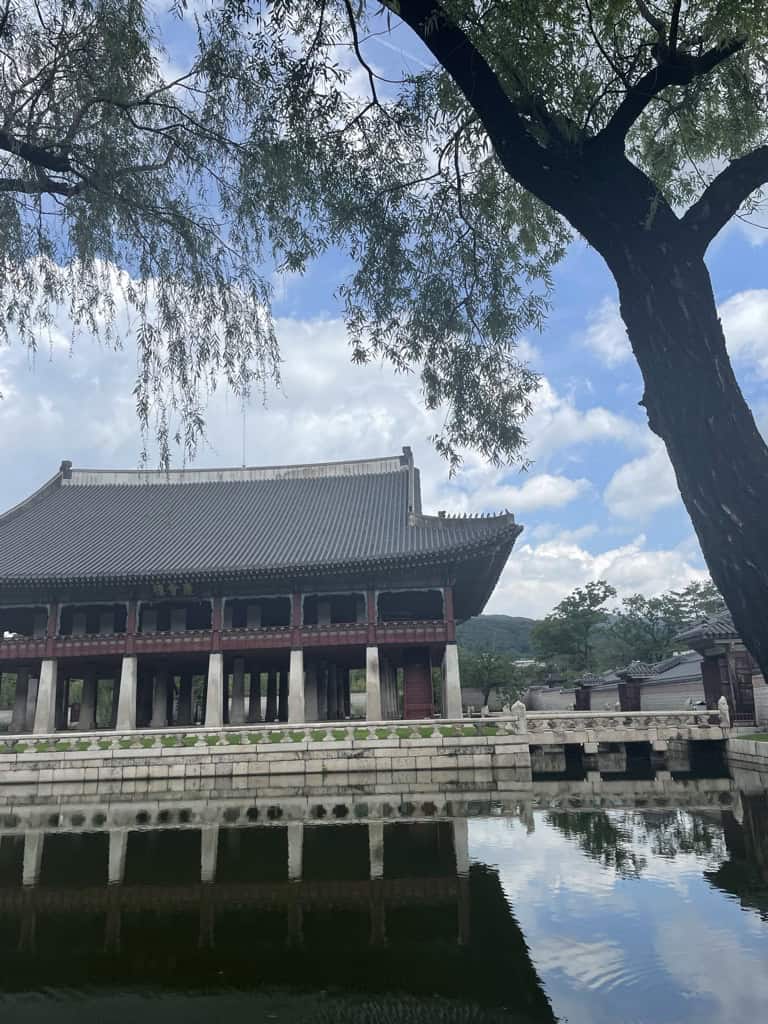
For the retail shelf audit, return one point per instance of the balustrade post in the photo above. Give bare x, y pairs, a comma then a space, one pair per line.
725, 713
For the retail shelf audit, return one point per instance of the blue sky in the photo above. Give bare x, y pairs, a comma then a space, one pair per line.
599, 500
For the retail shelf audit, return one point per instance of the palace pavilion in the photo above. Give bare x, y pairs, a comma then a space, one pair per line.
216, 597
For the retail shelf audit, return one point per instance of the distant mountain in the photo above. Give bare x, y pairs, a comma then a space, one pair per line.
507, 634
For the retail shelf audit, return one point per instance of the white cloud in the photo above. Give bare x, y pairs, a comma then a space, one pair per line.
538, 576
606, 334
745, 322
642, 486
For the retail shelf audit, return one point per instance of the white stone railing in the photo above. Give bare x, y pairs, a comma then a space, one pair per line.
266, 735
613, 721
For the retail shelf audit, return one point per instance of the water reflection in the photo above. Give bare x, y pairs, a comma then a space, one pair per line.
633, 914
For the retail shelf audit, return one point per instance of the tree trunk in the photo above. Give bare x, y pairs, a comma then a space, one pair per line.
696, 407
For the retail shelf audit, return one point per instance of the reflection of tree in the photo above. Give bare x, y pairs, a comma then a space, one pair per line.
611, 840
673, 832
603, 839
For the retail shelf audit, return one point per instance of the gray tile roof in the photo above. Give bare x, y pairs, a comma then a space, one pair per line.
89, 526
715, 627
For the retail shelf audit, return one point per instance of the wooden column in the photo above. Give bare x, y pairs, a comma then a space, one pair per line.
254, 694
271, 709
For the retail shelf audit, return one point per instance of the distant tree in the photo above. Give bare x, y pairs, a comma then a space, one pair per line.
484, 670
566, 636
644, 628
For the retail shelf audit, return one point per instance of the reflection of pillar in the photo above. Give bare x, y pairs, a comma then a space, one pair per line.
28, 927
254, 694
160, 700
112, 927
373, 710
87, 719
463, 911
45, 711
33, 857
295, 850
214, 701
461, 845
376, 848
118, 845
184, 707
126, 698
378, 915
295, 922
451, 682
310, 693
207, 922
19, 718
296, 709
271, 709
209, 848
237, 707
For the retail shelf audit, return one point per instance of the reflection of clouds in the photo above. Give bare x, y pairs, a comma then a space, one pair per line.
594, 964
718, 963
665, 948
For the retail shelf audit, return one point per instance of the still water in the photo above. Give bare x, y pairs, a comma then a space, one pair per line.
642, 914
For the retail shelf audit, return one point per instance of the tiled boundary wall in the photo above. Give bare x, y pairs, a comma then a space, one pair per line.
333, 748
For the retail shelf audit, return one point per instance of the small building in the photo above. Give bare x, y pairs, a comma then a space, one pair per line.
236, 595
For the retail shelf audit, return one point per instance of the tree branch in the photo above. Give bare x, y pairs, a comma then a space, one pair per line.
674, 68
45, 186
36, 155
523, 157
724, 195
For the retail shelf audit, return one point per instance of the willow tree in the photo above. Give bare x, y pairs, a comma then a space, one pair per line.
638, 124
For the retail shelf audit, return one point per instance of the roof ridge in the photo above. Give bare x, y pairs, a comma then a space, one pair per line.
72, 477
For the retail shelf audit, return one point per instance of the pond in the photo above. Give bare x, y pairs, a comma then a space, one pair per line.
644, 913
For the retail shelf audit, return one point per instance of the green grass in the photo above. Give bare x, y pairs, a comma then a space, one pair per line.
235, 739
170, 741
126, 744
318, 735
383, 734
339, 734
761, 737
212, 741
188, 741
448, 730
82, 745
276, 737
62, 745
17, 748
425, 731
43, 747
361, 734
255, 737
297, 736
105, 744
148, 741
404, 732
489, 730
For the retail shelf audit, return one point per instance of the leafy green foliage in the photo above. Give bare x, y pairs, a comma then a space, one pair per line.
566, 635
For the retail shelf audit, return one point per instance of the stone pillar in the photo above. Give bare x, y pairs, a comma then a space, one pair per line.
184, 707
126, 697
160, 700
296, 709
376, 848
254, 694
271, 708
19, 718
209, 850
45, 710
33, 857
295, 850
373, 710
32, 686
237, 706
451, 682
461, 845
282, 696
118, 846
214, 701
87, 720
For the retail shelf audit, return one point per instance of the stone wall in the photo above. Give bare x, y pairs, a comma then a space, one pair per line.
752, 754
760, 689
